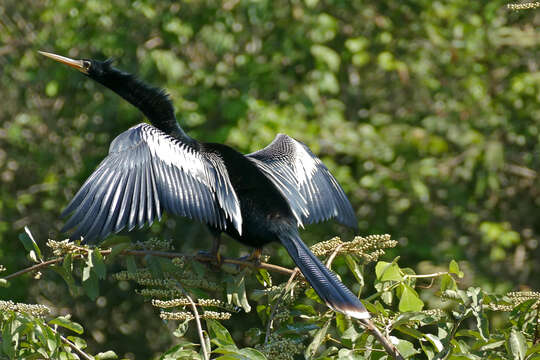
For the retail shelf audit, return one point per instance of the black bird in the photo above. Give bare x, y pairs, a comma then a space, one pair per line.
257, 199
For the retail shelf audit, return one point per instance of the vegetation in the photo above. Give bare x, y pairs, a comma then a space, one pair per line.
427, 113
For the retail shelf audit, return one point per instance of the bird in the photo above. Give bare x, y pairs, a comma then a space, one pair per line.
259, 198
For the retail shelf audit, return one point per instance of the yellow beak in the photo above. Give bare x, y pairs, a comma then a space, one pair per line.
82, 66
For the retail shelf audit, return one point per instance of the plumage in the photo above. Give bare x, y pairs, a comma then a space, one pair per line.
257, 199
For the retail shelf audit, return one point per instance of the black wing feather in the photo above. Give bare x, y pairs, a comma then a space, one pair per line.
313, 194
145, 172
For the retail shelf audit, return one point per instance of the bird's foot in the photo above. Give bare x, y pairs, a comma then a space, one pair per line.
254, 257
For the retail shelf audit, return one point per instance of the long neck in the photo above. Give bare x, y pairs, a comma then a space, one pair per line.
153, 102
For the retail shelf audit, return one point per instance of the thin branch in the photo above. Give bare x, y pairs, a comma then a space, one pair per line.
334, 253
72, 345
170, 255
197, 321
387, 345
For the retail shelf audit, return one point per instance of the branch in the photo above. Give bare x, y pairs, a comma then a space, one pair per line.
170, 255
72, 345
388, 346
206, 356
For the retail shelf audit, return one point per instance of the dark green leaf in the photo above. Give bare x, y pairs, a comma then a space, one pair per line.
99, 265
264, 277
68, 324
30, 244
219, 335
318, 339
91, 284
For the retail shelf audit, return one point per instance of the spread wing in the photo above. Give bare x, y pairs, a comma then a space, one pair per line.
314, 195
145, 172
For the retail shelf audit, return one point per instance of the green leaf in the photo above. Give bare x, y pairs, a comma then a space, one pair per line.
517, 345
356, 269
410, 301
236, 292
30, 244
68, 324
406, 349
388, 271
107, 355
533, 350
99, 265
448, 283
454, 269
233, 353
181, 329
219, 335
264, 277
319, 337
180, 352
81, 343
90, 283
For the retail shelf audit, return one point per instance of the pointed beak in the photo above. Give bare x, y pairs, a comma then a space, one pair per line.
81, 65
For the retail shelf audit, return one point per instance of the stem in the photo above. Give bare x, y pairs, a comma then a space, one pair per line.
170, 255
73, 346
197, 321
387, 345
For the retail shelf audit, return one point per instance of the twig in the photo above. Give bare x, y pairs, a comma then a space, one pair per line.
334, 253
170, 255
72, 345
387, 345
276, 305
197, 321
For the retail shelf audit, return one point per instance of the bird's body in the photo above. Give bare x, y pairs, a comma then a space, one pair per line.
256, 199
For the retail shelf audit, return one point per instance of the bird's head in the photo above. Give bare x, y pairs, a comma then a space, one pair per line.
93, 68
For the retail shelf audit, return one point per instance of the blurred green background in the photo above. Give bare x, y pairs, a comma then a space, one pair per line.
428, 113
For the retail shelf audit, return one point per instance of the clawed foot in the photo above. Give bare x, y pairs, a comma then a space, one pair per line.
254, 258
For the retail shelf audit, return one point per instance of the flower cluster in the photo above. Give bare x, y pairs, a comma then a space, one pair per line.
200, 302
63, 247
524, 6
370, 248
185, 315
281, 348
32, 309
516, 298
154, 244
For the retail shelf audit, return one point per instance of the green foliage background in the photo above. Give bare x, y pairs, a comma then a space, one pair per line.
428, 113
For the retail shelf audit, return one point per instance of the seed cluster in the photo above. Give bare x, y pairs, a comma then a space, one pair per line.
370, 248
155, 244
280, 348
60, 248
524, 6
185, 315
32, 309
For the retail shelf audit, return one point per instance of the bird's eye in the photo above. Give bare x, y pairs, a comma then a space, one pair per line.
86, 65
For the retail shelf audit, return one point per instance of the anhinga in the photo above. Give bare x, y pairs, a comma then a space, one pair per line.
256, 199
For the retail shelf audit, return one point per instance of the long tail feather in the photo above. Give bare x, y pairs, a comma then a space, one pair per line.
326, 284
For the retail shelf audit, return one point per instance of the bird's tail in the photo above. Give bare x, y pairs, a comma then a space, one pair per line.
326, 284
